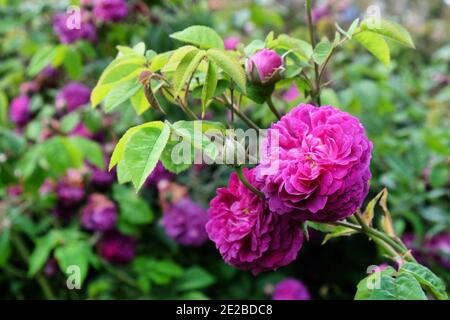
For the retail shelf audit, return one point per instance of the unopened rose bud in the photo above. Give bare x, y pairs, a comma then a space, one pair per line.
264, 67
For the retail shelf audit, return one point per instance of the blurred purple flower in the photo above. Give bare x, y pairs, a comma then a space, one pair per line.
185, 223
231, 43
110, 10
438, 247
319, 12
290, 289
14, 191
291, 94
29, 87
72, 96
99, 214
81, 130
64, 26
117, 248
102, 178
51, 268
70, 189
19, 110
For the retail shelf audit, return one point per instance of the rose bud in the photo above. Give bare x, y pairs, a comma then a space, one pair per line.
264, 67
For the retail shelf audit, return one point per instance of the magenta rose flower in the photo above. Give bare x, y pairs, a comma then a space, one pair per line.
264, 67
248, 235
117, 248
19, 110
319, 167
290, 289
110, 10
65, 26
231, 43
99, 214
72, 96
185, 223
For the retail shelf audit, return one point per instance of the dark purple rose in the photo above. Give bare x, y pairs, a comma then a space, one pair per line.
231, 43
158, 174
290, 289
247, 234
185, 223
99, 214
315, 164
81, 130
19, 110
117, 248
291, 94
70, 189
110, 10
438, 248
71, 29
264, 66
72, 96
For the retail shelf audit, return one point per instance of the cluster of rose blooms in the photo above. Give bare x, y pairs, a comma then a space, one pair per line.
92, 11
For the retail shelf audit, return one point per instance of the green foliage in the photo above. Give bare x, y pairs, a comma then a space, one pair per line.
201, 36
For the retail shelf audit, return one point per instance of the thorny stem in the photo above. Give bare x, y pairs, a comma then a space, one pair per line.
316, 93
246, 183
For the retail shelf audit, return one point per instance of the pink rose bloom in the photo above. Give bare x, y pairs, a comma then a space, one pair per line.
19, 110
72, 96
267, 63
319, 170
290, 289
247, 234
291, 94
110, 10
231, 43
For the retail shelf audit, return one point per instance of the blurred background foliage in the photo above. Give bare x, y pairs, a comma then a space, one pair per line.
404, 107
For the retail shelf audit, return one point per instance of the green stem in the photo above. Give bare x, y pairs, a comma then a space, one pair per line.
241, 115
25, 254
246, 183
316, 94
272, 108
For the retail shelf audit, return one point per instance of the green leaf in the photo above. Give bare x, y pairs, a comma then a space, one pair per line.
69, 122
367, 288
427, 278
5, 247
142, 152
201, 36
230, 64
352, 28
195, 278
160, 61
120, 147
72, 63
74, 254
322, 51
42, 58
174, 163
175, 58
40, 254
185, 69
303, 48
60, 154
90, 150
338, 232
140, 102
407, 288
389, 29
439, 175
122, 69
133, 209
375, 44
121, 93
123, 176
209, 87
